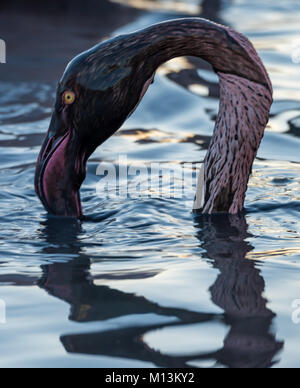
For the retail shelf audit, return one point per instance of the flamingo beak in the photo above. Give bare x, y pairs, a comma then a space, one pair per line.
60, 171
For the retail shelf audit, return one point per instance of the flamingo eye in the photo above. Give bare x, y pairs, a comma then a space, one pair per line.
68, 97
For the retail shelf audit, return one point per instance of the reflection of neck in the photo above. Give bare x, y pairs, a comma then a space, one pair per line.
239, 290
66, 280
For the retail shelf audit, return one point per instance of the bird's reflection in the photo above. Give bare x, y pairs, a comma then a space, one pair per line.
238, 291
71, 281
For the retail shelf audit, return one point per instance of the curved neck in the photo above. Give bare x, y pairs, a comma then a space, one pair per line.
226, 50
111, 79
242, 118
245, 101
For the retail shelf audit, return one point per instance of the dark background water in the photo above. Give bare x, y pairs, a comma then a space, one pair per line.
143, 282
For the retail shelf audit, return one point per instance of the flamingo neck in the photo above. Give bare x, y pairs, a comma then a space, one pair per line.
238, 132
245, 101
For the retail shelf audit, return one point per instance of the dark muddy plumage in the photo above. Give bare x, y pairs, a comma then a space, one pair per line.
109, 81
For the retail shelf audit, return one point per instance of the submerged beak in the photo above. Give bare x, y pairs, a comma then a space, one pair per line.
60, 170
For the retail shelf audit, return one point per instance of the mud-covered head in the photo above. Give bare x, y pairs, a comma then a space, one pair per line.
96, 94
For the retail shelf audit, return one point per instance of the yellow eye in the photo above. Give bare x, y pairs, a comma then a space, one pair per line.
68, 97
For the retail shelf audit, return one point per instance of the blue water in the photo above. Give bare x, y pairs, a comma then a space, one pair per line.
142, 282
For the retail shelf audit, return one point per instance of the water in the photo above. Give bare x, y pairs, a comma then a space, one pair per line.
142, 282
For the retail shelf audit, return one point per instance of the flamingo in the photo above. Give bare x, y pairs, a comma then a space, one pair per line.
103, 86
